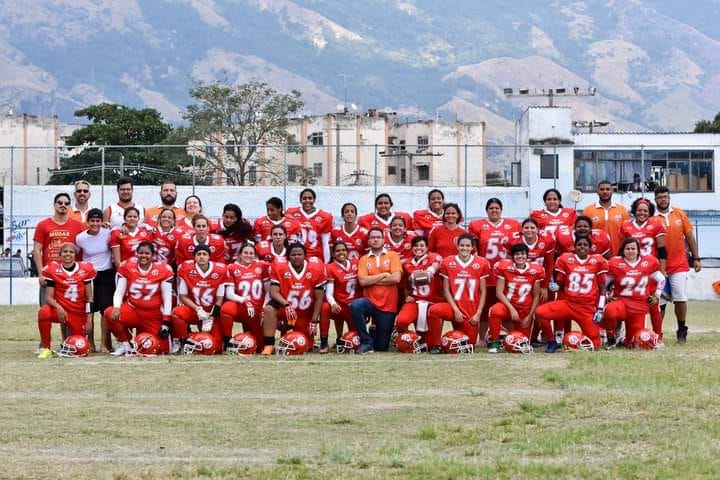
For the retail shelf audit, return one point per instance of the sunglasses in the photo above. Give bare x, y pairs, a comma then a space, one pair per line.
82, 191
63, 204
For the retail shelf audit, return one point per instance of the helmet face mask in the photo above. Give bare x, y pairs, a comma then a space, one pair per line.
410, 342
349, 342
199, 344
74, 346
575, 340
293, 343
646, 339
456, 342
147, 344
517, 342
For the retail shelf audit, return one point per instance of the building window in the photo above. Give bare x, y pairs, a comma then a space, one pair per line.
403, 176
317, 169
392, 170
402, 145
548, 166
316, 138
292, 173
252, 174
422, 143
423, 173
392, 145
637, 170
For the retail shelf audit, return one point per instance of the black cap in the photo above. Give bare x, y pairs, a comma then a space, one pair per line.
201, 248
95, 213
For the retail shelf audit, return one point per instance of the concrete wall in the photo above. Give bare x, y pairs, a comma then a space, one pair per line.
30, 164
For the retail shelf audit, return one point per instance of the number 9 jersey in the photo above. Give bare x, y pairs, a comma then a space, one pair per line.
581, 278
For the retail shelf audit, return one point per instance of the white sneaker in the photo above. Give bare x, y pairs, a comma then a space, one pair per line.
207, 325
123, 349
660, 345
175, 345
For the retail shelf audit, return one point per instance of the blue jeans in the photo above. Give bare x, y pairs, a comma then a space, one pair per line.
362, 308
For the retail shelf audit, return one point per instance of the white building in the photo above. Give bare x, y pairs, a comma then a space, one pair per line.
33, 139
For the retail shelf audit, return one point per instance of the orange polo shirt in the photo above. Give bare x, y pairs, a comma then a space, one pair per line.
677, 228
608, 219
153, 212
77, 215
384, 297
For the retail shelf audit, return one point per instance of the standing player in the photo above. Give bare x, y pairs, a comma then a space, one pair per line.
678, 232
518, 291
201, 288
125, 239
554, 215
114, 214
340, 291
275, 216
443, 237
423, 288
249, 280
187, 243
235, 230
143, 298
541, 250
350, 233
425, 220
68, 294
398, 239
276, 249
315, 225
296, 296
164, 237
565, 238
383, 216
581, 278
606, 215
464, 288
193, 207
637, 285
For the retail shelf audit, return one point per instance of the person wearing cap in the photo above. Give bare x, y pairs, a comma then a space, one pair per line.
94, 247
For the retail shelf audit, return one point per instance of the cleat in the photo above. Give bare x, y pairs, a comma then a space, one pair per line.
124, 349
365, 349
268, 350
552, 347
682, 335
436, 350
611, 343
323, 350
45, 353
494, 347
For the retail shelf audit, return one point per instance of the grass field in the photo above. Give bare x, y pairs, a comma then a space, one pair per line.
621, 414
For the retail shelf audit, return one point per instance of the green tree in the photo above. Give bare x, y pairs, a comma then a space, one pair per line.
112, 124
707, 126
234, 122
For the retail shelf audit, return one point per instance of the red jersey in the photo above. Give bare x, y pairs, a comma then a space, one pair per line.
164, 246
429, 293
299, 288
371, 220
233, 244
647, 234
143, 286
519, 283
52, 234
565, 241
266, 252
633, 283
69, 285
425, 220
201, 286
549, 222
403, 247
443, 241
356, 240
581, 278
128, 242
464, 280
264, 225
183, 226
491, 239
249, 280
542, 252
312, 228
185, 248
344, 280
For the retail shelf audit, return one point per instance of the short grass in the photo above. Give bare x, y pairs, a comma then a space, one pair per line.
607, 415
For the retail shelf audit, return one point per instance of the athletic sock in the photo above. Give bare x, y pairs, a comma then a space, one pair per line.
323, 341
269, 341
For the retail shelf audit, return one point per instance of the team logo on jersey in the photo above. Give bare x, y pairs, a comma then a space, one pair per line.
287, 275
308, 275
258, 270
318, 220
644, 263
476, 266
506, 227
214, 276
154, 272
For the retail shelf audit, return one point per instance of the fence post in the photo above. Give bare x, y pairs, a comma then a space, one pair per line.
12, 219
285, 174
697, 238
193, 171
102, 178
375, 175
465, 201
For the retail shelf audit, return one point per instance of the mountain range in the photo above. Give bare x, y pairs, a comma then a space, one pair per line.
655, 64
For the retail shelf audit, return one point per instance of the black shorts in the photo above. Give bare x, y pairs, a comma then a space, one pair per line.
103, 290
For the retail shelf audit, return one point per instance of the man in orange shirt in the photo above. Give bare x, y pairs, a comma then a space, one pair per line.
379, 272
678, 230
606, 215
81, 208
168, 197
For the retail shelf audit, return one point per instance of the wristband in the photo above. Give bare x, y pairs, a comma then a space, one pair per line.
88, 307
215, 310
166, 318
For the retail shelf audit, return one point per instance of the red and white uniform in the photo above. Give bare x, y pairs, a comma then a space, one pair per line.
128, 242
492, 238
164, 246
298, 288
266, 252
342, 288
519, 284
425, 220
542, 252
647, 234
185, 248
355, 240
233, 244
249, 281
263, 226
372, 220
403, 247
443, 241
417, 312
69, 294
314, 231
183, 226
565, 241
248, 284
549, 222
428, 293
203, 288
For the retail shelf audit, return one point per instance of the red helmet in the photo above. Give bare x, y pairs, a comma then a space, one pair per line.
456, 341
410, 342
74, 346
200, 343
574, 340
294, 343
349, 342
147, 344
645, 339
517, 342
243, 343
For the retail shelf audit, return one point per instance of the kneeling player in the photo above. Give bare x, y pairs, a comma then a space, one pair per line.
142, 300
296, 296
245, 295
518, 291
581, 279
201, 288
423, 288
340, 291
68, 295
